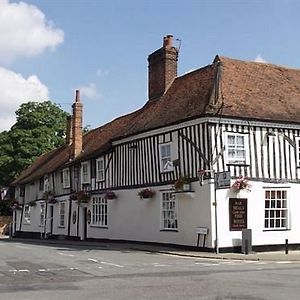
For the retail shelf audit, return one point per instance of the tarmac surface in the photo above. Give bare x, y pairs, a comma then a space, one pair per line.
279, 256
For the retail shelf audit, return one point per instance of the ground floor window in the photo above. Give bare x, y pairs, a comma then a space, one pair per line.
27, 214
62, 210
99, 211
169, 211
276, 209
42, 214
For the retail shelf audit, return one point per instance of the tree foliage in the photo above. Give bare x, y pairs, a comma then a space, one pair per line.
40, 127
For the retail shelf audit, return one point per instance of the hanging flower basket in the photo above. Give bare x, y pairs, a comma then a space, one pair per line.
183, 184
110, 195
52, 201
49, 195
82, 197
146, 193
32, 203
16, 206
241, 184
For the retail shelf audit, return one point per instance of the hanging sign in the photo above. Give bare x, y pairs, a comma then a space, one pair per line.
237, 214
222, 180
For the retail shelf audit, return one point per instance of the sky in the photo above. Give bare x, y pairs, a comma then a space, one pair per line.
50, 48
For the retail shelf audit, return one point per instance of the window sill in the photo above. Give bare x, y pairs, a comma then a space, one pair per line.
237, 164
62, 227
99, 226
100, 180
67, 187
276, 229
184, 192
169, 230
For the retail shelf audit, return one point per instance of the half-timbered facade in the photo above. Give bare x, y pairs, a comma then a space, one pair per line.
120, 181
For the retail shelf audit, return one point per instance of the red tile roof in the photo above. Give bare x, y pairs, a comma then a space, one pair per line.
229, 87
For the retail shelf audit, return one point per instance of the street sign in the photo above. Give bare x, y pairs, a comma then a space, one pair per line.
222, 180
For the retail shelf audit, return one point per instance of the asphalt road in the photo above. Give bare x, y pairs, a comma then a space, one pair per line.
53, 271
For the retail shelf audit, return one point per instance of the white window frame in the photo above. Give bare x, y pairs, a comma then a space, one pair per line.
297, 140
27, 214
168, 165
276, 209
169, 214
235, 147
85, 176
66, 178
61, 214
100, 169
99, 212
42, 213
46, 183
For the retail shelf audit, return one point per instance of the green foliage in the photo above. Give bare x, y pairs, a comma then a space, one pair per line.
40, 127
5, 208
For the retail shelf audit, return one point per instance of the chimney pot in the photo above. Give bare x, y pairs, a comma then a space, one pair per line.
168, 41
77, 97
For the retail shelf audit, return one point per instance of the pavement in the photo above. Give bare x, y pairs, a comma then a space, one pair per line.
278, 256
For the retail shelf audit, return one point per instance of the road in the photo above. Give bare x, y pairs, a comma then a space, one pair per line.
56, 271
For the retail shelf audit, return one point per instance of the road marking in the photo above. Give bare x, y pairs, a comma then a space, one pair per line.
99, 267
94, 260
111, 264
22, 247
207, 264
65, 254
159, 265
283, 262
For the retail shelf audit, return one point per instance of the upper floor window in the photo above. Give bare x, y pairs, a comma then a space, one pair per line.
99, 211
100, 169
27, 214
85, 172
66, 178
298, 151
41, 185
46, 183
62, 210
166, 164
237, 148
42, 214
276, 209
169, 211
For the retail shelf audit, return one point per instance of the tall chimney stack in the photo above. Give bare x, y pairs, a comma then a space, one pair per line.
162, 68
76, 146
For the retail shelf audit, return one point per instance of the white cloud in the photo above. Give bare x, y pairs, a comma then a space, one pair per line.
260, 59
89, 91
15, 90
25, 31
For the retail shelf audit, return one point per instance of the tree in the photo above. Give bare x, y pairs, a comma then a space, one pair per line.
40, 127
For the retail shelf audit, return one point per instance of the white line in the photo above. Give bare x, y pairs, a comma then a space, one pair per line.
24, 270
160, 265
207, 264
283, 262
22, 247
94, 260
111, 264
65, 254
99, 267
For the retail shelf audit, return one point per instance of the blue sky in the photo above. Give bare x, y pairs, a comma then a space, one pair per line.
102, 46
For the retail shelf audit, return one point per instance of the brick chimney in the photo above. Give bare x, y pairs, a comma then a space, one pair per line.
76, 146
162, 65
69, 137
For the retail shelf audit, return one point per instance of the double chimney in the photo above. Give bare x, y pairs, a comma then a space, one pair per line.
74, 128
162, 65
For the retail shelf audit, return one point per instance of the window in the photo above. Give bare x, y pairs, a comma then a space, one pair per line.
27, 214
85, 172
62, 209
276, 211
41, 185
99, 211
168, 211
298, 151
66, 178
166, 164
237, 145
100, 169
46, 183
42, 214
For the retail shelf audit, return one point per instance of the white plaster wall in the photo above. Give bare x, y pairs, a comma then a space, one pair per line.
132, 218
256, 204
